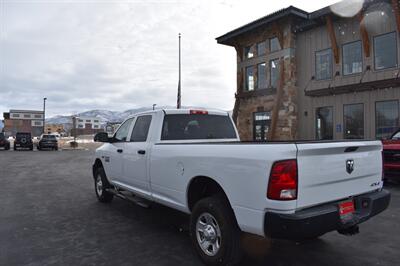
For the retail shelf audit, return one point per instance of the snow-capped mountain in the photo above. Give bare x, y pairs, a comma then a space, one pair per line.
103, 115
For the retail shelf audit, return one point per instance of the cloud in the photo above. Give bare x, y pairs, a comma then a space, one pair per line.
119, 55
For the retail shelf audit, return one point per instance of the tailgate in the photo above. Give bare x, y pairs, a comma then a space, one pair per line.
329, 171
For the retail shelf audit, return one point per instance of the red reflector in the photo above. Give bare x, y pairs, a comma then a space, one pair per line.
283, 181
346, 207
198, 112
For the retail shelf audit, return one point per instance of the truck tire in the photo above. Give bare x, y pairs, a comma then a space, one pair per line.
7, 147
100, 186
31, 148
15, 147
215, 233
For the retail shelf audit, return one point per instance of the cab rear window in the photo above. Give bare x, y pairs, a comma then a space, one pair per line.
197, 126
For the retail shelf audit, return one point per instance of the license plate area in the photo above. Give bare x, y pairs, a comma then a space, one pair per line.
346, 210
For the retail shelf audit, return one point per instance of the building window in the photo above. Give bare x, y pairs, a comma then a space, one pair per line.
352, 58
15, 115
88, 121
80, 126
262, 76
274, 44
385, 51
38, 116
80, 120
248, 52
386, 118
353, 120
38, 123
274, 72
250, 78
324, 123
96, 121
261, 125
261, 48
323, 64
96, 126
27, 116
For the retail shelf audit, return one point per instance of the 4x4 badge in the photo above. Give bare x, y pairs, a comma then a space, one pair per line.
350, 166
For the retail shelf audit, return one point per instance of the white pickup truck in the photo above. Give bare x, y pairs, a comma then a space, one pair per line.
194, 161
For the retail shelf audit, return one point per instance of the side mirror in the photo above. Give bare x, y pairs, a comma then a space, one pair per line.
101, 137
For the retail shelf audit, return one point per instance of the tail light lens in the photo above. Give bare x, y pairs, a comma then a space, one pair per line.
283, 181
383, 165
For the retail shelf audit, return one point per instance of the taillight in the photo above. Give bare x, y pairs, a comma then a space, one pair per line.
283, 181
198, 112
383, 165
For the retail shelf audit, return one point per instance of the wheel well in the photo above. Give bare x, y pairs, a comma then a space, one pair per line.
202, 187
96, 165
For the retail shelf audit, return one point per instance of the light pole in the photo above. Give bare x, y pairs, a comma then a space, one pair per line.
178, 102
44, 112
154, 106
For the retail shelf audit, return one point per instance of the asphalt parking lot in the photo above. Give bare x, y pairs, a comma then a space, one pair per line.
49, 215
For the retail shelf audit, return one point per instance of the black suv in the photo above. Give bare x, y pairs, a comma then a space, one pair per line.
4, 142
47, 141
23, 140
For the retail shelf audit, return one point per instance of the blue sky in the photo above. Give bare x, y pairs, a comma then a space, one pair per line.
119, 55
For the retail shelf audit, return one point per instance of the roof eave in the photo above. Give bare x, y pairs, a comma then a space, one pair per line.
227, 38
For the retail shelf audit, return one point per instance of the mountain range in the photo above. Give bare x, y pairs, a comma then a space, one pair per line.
104, 115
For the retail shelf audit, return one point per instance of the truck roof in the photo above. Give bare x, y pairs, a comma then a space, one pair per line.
184, 111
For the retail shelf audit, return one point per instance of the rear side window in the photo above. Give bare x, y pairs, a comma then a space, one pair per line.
1, 135
23, 135
141, 129
197, 126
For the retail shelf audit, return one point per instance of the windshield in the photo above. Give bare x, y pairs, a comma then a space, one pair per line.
396, 136
48, 137
197, 126
23, 135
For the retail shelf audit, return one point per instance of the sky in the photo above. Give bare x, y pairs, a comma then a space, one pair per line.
119, 55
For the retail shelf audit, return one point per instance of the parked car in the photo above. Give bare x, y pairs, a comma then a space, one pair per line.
193, 161
23, 140
4, 143
47, 141
391, 156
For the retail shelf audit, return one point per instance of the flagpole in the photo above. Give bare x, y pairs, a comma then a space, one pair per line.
178, 105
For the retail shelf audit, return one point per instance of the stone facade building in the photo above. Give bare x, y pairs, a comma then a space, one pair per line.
329, 74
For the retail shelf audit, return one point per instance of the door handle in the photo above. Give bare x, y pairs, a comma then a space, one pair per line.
141, 152
120, 150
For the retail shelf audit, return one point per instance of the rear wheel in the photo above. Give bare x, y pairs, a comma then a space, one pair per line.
7, 147
15, 147
101, 184
215, 233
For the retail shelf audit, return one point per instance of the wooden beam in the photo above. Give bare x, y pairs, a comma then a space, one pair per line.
332, 37
239, 52
277, 31
364, 35
396, 9
278, 101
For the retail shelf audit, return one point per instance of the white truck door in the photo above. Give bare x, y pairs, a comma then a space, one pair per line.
136, 154
115, 151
